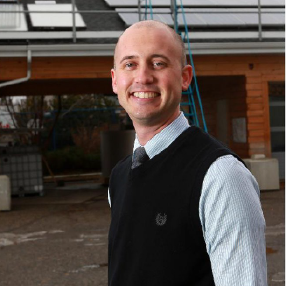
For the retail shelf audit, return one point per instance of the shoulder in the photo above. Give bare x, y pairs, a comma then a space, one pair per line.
203, 143
229, 170
230, 192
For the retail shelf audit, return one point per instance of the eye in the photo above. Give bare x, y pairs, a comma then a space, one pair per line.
129, 65
159, 65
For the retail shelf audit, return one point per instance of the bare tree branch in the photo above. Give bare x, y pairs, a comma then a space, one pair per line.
12, 113
75, 104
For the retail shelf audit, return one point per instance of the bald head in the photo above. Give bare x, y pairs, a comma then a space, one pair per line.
151, 24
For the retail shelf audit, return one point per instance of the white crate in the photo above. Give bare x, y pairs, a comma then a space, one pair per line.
23, 165
265, 171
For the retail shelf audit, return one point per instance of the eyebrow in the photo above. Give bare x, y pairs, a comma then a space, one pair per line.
160, 56
152, 56
128, 58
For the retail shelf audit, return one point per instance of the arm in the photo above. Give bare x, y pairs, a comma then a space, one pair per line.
233, 224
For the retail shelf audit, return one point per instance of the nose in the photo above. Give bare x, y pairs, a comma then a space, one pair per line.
144, 75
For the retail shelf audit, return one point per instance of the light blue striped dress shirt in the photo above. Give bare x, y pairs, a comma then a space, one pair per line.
230, 212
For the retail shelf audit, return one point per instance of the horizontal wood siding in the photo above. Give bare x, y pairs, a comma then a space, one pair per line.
249, 99
56, 68
258, 70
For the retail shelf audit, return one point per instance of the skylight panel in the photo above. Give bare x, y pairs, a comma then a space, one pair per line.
209, 17
54, 20
198, 3
12, 19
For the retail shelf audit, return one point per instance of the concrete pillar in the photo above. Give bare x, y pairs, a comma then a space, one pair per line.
5, 193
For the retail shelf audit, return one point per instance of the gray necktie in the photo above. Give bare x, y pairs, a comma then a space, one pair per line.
139, 157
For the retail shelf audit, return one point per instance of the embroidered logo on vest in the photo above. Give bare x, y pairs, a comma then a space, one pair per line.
161, 219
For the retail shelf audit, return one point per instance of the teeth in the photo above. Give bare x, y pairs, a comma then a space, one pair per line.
142, 94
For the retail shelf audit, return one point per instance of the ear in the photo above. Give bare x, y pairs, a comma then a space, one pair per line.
187, 74
114, 82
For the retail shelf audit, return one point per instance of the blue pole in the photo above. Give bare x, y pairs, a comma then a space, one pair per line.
192, 63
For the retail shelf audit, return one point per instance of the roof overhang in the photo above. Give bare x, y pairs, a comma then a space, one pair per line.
100, 50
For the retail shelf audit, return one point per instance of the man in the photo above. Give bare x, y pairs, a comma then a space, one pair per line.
185, 210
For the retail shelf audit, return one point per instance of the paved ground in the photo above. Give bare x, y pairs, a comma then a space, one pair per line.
273, 204
61, 239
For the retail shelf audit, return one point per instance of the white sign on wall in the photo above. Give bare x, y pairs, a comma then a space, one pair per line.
239, 130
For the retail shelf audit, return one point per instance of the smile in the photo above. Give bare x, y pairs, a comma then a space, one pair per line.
148, 94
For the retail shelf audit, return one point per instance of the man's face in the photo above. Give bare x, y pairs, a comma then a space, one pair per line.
149, 77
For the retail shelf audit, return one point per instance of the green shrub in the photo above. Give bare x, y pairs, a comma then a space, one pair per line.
72, 160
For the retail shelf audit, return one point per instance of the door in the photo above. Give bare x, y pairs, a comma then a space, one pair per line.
277, 123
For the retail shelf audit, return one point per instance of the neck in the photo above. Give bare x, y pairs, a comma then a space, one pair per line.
145, 132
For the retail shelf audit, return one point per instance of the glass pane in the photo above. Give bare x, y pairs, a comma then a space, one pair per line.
278, 141
277, 99
277, 116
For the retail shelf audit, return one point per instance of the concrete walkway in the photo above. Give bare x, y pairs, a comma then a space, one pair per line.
61, 239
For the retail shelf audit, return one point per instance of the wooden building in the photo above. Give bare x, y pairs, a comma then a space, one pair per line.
240, 68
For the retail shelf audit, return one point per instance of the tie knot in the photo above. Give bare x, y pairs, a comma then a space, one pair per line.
139, 157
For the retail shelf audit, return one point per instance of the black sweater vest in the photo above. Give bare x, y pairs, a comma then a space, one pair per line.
155, 236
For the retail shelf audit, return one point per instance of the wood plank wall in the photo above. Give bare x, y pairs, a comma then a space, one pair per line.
229, 90
257, 71
56, 68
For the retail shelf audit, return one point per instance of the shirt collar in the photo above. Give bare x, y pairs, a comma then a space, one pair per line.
165, 137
